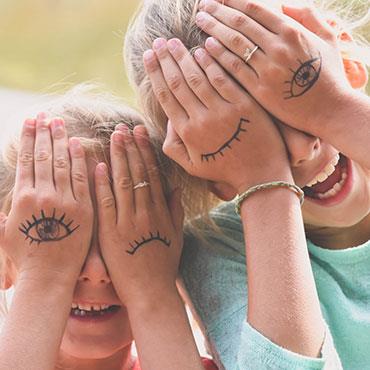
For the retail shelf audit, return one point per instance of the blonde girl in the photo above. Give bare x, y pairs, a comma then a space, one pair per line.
306, 304
91, 242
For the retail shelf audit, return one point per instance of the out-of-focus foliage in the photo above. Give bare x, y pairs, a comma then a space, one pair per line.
50, 44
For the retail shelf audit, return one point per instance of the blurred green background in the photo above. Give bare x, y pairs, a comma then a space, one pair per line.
49, 45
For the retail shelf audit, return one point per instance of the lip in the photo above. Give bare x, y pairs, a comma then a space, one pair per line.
339, 197
95, 303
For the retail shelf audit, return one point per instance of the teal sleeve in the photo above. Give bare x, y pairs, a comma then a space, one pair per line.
213, 270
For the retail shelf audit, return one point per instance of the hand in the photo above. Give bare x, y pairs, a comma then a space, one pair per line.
140, 235
216, 131
47, 232
295, 74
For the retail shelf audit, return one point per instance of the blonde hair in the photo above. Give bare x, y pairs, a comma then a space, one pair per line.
91, 116
176, 19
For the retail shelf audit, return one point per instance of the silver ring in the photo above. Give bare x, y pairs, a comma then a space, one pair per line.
249, 53
141, 185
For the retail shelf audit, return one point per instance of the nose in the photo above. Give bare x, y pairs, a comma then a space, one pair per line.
94, 270
302, 147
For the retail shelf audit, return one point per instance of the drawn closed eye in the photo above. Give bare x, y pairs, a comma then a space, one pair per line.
227, 145
304, 77
152, 237
47, 229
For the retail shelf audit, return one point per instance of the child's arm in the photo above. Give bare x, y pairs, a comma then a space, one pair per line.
46, 236
204, 111
295, 74
141, 241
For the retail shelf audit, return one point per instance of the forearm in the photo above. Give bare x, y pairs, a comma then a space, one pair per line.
346, 125
162, 334
282, 300
34, 327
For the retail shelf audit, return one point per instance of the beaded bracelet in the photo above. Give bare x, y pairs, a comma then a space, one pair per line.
269, 185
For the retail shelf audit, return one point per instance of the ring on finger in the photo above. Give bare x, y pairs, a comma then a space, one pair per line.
249, 53
141, 184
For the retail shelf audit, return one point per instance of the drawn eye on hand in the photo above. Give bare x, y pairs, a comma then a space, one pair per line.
227, 145
47, 229
304, 77
152, 237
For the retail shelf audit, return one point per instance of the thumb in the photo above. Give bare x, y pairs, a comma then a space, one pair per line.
310, 18
176, 210
175, 148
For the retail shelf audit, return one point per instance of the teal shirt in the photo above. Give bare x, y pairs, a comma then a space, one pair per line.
214, 273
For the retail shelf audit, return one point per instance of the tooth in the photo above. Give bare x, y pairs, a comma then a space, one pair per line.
322, 176
330, 193
344, 175
97, 307
329, 169
74, 305
337, 187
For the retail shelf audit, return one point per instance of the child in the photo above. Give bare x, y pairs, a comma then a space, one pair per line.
306, 309
93, 265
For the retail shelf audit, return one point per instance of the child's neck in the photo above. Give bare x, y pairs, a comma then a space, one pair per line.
122, 360
341, 237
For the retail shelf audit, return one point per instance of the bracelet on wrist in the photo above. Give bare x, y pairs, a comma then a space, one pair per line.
269, 185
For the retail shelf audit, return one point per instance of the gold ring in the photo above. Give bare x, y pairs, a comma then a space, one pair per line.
249, 53
141, 185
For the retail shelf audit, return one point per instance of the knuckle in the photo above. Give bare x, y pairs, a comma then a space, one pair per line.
236, 40
291, 33
195, 80
25, 199
26, 158
236, 65
140, 169
42, 156
237, 20
61, 163
219, 80
79, 177
162, 95
46, 201
154, 172
174, 82
125, 183
107, 202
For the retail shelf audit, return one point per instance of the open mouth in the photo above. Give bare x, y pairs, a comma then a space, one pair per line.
94, 314
333, 188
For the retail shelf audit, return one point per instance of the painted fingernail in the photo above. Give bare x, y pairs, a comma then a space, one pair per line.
212, 43
199, 54
159, 44
173, 44
149, 55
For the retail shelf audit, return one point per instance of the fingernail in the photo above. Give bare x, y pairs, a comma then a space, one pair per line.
199, 54
211, 42
173, 44
101, 169
149, 55
41, 116
159, 44
117, 137
30, 123
57, 127
75, 145
201, 18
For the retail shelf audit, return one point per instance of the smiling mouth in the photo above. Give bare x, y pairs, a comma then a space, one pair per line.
332, 185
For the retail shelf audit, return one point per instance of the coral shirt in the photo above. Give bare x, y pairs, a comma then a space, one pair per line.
208, 365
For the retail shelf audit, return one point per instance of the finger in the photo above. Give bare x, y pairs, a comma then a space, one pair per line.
122, 181
256, 11
105, 198
176, 210
194, 76
242, 72
142, 195
62, 166
312, 20
3, 218
43, 154
79, 177
151, 164
170, 105
175, 149
175, 79
222, 82
25, 163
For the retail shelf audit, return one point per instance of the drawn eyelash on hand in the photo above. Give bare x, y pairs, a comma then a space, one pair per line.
227, 144
138, 244
47, 229
304, 77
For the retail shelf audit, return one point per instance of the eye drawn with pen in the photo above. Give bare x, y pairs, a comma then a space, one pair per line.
145, 240
227, 145
304, 77
47, 229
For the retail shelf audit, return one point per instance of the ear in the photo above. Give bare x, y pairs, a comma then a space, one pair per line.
223, 191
